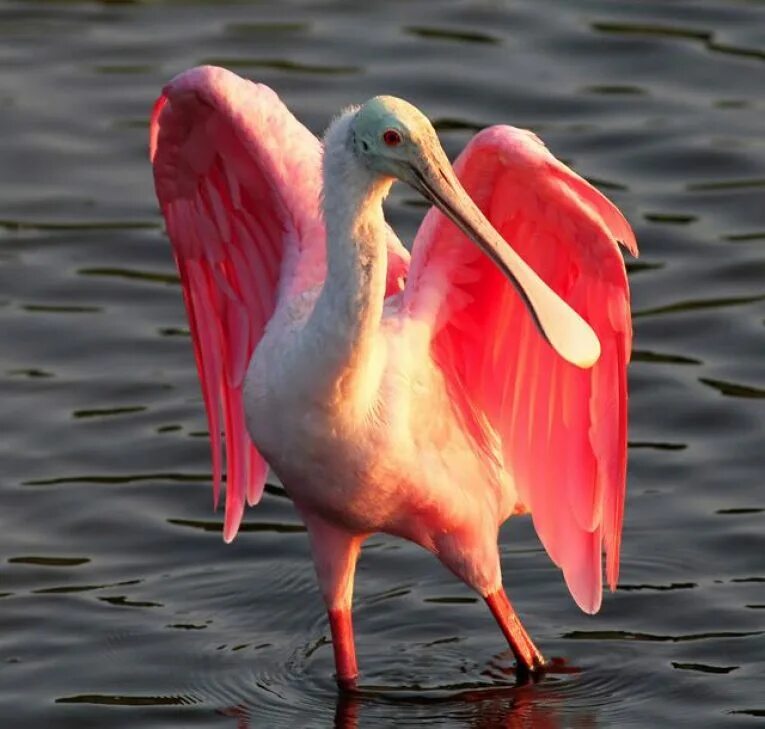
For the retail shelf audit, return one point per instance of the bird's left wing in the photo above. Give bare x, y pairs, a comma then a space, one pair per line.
562, 429
238, 179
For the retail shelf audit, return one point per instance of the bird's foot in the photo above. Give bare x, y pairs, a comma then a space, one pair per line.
347, 684
530, 663
530, 671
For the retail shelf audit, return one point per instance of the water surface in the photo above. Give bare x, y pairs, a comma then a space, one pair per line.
121, 606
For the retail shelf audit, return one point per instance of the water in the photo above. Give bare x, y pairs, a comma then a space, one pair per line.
121, 606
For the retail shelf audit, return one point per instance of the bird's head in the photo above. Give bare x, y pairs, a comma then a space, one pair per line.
392, 138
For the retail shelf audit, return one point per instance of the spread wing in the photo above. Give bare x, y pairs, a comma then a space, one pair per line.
238, 179
562, 429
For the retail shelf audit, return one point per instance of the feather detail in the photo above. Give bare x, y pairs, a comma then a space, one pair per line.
563, 429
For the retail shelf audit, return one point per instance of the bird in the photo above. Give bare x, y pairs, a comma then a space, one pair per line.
429, 396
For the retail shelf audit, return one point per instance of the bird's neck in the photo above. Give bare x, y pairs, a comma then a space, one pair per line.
346, 320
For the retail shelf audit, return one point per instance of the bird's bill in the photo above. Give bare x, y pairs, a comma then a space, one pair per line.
570, 336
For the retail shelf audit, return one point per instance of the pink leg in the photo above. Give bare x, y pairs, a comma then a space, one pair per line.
335, 552
341, 625
527, 655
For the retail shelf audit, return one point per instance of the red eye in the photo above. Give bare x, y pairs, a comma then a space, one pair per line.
391, 137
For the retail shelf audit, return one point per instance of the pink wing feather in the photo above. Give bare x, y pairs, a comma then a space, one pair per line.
238, 179
563, 429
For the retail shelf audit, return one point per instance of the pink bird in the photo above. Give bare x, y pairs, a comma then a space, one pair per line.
430, 398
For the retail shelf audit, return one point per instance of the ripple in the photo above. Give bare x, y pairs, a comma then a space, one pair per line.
670, 218
740, 511
447, 600
619, 635
646, 355
697, 304
108, 412
132, 274
656, 31
16, 225
122, 700
119, 479
50, 561
748, 579
745, 237
245, 526
657, 445
450, 124
281, 64
606, 184
267, 28
124, 68
634, 267
450, 34
169, 428
61, 309
66, 589
658, 588
31, 372
666, 31
732, 389
124, 601
713, 186
389, 594
615, 90
703, 667
748, 712
174, 332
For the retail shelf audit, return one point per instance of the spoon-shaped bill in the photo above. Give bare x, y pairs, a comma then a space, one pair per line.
566, 331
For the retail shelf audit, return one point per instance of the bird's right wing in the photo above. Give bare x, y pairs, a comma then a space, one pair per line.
562, 429
238, 179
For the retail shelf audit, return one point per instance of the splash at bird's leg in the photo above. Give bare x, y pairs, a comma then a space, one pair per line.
527, 656
335, 552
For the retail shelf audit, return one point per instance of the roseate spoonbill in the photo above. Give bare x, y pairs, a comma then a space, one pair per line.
429, 399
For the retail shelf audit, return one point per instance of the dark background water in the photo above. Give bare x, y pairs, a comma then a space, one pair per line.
119, 604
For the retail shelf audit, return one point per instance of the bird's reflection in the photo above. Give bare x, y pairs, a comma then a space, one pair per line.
493, 708
526, 705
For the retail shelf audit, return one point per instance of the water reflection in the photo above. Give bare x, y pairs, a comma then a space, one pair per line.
489, 708
510, 708
559, 698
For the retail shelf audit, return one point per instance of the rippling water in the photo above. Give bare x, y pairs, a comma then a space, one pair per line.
119, 603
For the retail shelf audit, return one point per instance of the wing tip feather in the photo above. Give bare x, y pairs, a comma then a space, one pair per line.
629, 242
587, 591
156, 111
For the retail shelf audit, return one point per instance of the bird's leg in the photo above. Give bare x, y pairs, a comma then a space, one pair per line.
527, 655
473, 556
335, 552
341, 626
